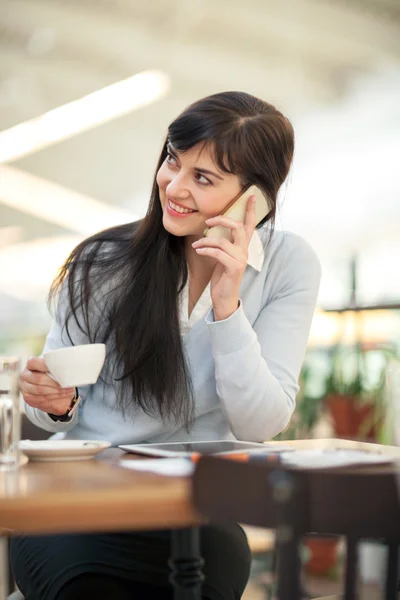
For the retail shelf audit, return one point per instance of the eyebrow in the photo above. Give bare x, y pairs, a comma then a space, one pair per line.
172, 150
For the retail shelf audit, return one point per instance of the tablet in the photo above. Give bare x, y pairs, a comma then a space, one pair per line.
170, 449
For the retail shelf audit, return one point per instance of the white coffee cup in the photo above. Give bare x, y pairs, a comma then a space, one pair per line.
75, 365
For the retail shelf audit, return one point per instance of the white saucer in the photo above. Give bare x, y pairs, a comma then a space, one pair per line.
56, 450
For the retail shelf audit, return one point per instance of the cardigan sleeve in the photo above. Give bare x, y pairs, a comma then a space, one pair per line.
257, 367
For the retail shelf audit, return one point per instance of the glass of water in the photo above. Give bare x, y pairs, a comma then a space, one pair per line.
10, 419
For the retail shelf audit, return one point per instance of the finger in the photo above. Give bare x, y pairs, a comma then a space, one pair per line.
43, 390
39, 378
49, 399
250, 217
53, 399
57, 407
222, 257
239, 234
224, 221
240, 238
233, 250
37, 364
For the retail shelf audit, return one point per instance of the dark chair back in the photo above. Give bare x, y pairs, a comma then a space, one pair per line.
263, 495
355, 503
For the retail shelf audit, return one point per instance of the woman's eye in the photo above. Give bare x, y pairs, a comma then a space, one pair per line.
171, 160
203, 180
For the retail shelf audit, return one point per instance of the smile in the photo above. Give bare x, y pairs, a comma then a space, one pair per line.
177, 209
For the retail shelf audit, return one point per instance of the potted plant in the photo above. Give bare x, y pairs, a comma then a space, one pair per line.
355, 390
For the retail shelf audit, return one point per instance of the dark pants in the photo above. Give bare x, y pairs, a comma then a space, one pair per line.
127, 566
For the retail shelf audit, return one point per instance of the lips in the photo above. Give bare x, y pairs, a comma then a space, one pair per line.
179, 209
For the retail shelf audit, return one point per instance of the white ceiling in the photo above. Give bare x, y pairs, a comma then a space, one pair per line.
332, 66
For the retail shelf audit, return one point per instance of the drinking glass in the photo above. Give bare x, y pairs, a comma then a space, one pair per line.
10, 419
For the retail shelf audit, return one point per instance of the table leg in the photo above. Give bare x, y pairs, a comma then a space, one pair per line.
186, 564
392, 571
3, 568
351, 575
289, 566
288, 535
274, 574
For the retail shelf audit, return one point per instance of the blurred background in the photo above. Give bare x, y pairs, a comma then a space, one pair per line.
87, 90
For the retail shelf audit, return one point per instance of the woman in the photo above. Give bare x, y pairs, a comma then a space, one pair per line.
205, 339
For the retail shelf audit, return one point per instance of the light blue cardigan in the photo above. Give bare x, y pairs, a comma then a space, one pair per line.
244, 369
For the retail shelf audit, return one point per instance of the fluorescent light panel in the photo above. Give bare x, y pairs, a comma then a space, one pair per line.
56, 204
27, 269
80, 115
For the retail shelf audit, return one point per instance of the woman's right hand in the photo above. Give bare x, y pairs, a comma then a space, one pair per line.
41, 391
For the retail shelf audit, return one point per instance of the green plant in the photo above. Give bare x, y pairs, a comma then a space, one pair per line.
309, 399
357, 375
355, 372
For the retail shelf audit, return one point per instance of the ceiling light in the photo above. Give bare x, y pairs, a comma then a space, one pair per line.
10, 235
80, 115
27, 269
56, 204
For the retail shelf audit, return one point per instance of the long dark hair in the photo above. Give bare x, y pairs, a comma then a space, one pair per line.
135, 272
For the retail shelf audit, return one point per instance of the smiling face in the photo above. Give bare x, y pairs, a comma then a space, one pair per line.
192, 189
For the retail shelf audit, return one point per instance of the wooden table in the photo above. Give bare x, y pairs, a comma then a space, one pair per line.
100, 495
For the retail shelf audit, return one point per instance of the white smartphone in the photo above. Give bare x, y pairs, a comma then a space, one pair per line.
237, 210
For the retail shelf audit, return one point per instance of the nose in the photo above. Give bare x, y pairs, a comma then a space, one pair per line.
177, 188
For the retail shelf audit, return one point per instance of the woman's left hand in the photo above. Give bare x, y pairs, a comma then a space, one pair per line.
232, 260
